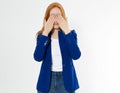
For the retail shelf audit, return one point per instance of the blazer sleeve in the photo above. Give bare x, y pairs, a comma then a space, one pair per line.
41, 46
71, 41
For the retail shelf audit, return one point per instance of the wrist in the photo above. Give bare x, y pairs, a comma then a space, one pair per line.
44, 33
67, 31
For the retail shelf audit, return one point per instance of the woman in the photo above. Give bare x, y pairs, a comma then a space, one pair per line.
56, 47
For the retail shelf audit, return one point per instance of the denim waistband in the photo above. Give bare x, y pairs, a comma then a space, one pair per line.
56, 73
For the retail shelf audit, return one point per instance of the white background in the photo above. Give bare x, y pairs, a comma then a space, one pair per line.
97, 23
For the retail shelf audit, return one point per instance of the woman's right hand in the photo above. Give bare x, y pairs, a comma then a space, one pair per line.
48, 25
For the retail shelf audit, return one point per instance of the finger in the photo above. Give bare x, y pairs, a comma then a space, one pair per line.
44, 21
61, 19
51, 19
66, 18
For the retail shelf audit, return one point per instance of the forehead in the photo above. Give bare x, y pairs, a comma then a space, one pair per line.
55, 10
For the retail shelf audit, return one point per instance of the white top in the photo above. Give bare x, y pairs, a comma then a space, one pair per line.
56, 55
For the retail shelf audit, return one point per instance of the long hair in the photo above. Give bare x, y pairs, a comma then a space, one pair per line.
47, 14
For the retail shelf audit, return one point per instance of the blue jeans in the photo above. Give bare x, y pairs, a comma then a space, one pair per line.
57, 84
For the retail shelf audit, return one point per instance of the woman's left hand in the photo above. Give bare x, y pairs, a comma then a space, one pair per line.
63, 24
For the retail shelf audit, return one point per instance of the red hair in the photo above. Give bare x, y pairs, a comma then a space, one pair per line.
47, 13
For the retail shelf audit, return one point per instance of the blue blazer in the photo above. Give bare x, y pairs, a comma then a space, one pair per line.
69, 50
